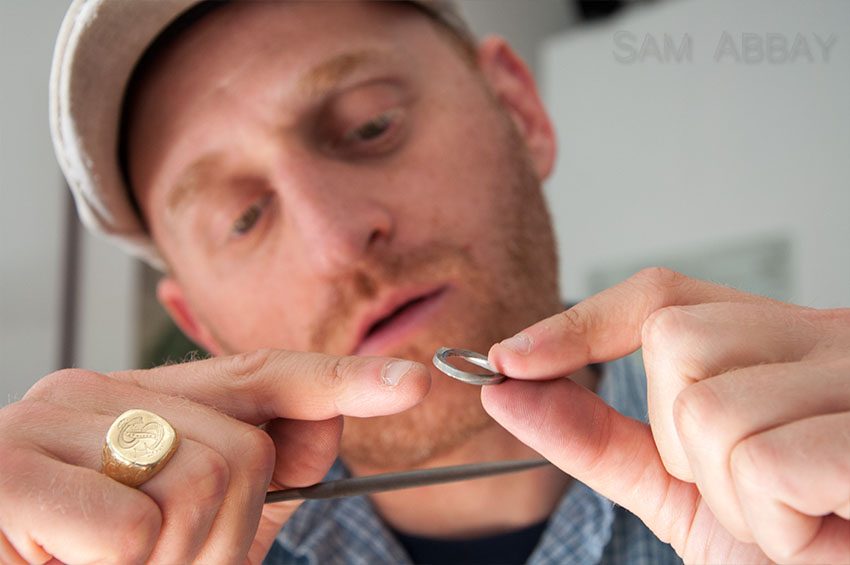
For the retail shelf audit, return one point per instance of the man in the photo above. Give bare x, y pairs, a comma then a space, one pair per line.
325, 183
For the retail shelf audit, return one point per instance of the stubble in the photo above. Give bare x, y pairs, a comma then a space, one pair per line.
515, 289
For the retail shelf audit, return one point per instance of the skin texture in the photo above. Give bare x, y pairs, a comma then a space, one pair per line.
318, 200
747, 454
206, 503
347, 225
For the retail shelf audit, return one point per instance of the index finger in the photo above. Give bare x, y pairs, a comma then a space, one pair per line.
263, 385
604, 327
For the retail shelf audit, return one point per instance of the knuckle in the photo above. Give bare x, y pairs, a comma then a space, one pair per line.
833, 326
659, 277
693, 409
659, 326
213, 478
838, 316
746, 463
331, 371
65, 379
23, 415
243, 368
751, 462
138, 533
573, 321
656, 283
17, 474
257, 452
669, 329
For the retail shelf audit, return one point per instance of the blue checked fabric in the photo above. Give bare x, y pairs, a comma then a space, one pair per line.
586, 528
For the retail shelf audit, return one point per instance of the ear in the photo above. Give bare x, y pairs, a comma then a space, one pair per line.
173, 298
512, 83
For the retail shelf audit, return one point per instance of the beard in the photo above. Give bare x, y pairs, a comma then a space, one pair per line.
516, 286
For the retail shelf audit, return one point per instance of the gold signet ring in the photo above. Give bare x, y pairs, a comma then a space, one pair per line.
137, 446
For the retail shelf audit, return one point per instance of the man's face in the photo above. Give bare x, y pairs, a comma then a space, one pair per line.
335, 177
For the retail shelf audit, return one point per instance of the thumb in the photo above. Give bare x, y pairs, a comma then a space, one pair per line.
612, 454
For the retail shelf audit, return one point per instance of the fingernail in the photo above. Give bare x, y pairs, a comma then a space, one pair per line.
394, 371
520, 343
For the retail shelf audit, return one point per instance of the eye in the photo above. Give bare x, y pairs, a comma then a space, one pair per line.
373, 129
249, 218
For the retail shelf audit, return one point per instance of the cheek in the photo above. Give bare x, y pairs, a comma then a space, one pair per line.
248, 313
458, 193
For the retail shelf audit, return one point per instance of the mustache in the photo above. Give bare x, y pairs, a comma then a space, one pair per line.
434, 261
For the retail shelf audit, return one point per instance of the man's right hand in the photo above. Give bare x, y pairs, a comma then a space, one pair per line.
207, 502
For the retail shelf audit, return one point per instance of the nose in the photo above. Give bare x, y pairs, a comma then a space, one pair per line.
338, 222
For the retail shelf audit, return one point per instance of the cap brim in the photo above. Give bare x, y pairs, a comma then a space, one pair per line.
98, 46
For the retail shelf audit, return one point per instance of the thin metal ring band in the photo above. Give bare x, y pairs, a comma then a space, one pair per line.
137, 446
479, 379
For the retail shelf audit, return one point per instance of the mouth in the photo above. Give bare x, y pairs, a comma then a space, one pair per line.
397, 320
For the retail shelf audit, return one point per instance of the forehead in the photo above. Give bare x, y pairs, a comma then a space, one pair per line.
225, 40
278, 55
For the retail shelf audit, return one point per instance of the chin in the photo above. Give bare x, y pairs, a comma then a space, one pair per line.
449, 417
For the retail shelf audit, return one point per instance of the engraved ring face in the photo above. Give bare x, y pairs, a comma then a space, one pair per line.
440, 361
137, 446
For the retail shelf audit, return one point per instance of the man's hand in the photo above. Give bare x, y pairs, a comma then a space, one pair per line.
207, 503
747, 455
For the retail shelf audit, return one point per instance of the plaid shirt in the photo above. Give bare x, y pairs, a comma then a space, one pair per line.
585, 528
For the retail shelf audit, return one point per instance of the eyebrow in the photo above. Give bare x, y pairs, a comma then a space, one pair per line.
190, 182
329, 73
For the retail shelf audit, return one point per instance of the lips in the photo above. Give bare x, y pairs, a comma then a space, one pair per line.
396, 319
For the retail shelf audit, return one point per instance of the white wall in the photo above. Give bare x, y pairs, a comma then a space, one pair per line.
32, 224
664, 159
31, 214
107, 322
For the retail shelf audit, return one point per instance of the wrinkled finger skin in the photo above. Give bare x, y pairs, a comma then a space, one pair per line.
244, 423
746, 457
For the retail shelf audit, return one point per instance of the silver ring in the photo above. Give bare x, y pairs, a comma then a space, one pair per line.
480, 379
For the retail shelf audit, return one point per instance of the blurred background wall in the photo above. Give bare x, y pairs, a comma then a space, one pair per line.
46, 320
711, 136
724, 156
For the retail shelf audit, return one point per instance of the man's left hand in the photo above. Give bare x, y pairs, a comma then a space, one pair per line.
747, 454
